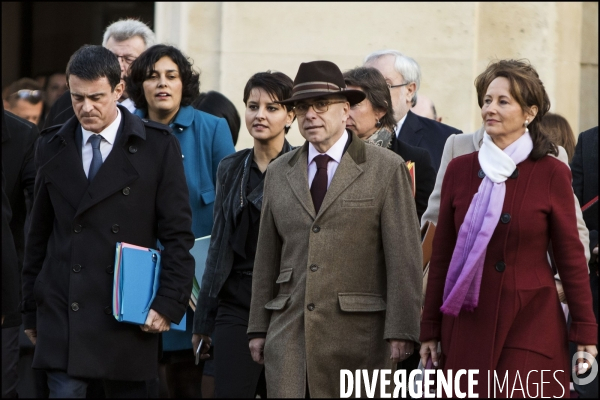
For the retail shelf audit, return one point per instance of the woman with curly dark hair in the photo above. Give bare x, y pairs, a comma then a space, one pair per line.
491, 299
163, 85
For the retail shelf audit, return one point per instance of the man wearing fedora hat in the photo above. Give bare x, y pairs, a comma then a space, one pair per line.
337, 277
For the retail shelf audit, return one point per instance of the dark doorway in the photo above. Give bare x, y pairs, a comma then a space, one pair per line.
39, 37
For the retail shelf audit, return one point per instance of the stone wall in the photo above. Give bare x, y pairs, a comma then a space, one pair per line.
452, 42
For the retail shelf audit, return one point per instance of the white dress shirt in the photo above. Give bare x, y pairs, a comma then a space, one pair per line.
399, 125
335, 152
106, 144
128, 104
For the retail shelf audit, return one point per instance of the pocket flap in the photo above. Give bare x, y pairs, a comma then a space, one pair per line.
358, 202
208, 197
284, 275
278, 302
361, 302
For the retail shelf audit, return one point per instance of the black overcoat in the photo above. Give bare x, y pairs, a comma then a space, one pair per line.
19, 175
428, 134
139, 195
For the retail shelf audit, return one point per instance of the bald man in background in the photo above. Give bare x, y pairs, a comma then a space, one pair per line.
425, 108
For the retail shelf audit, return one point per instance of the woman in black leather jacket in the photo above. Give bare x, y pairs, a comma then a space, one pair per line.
224, 300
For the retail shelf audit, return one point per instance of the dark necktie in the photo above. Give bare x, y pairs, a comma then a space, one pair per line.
319, 184
96, 156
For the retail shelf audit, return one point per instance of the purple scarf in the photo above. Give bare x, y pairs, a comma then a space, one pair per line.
466, 267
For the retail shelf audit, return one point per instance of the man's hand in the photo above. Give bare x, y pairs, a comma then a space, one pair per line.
32, 335
257, 347
205, 346
583, 364
400, 349
429, 348
156, 323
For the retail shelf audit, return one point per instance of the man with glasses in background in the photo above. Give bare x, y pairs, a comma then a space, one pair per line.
24, 99
127, 39
337, 277
403, 76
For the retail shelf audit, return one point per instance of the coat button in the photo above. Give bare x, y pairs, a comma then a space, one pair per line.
108, 310
132, 149
505, 218
77, 228
500, 266
310, 307
182, 156
76, 268
514, 174
75, 306
126, 191
110, 269
180, 129
314, 267
115, 228
481, 174
316, 229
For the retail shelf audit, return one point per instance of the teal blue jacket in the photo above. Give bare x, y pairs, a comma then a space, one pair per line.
205, 140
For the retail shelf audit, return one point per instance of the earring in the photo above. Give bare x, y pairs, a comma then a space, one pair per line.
526, 123
287, 126
378, 124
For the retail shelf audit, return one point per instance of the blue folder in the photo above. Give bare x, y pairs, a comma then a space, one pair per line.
136, 281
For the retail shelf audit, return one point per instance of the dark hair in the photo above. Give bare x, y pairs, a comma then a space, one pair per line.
91, 63
375, 87
218, 105
528, 90
559, 131
23, 83
277, 84
142, 67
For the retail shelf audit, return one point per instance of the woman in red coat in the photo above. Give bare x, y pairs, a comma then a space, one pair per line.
491, 298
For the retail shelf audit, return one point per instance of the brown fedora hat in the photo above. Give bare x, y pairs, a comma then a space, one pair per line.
321, 78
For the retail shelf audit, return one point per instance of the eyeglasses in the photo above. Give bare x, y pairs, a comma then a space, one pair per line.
32, 96
127, 59
320, 107
390, 86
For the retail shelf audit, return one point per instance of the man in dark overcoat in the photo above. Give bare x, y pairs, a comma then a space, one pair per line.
18, 138
105, 176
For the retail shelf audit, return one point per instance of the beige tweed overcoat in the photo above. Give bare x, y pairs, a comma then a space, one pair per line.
330, 288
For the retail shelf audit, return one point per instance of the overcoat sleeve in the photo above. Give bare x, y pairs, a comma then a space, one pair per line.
433, 206
206, 309
266, 264
570, 259
174, 217
403, 259
37, 239
443, 243
10, 269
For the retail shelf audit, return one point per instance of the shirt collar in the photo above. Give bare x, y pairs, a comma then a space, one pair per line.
335, 152
399, 124
109, 133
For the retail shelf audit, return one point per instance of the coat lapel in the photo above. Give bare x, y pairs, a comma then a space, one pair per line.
346, 172
411, 130
116, 171
65, 170
298, 179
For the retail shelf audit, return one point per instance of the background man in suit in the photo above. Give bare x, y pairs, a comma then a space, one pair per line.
425, 108
403, 76
127, 39
103, 177
18, 138
24, 99
585, 185
337, 277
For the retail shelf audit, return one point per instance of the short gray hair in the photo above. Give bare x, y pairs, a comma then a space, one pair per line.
126, 29
404, 65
